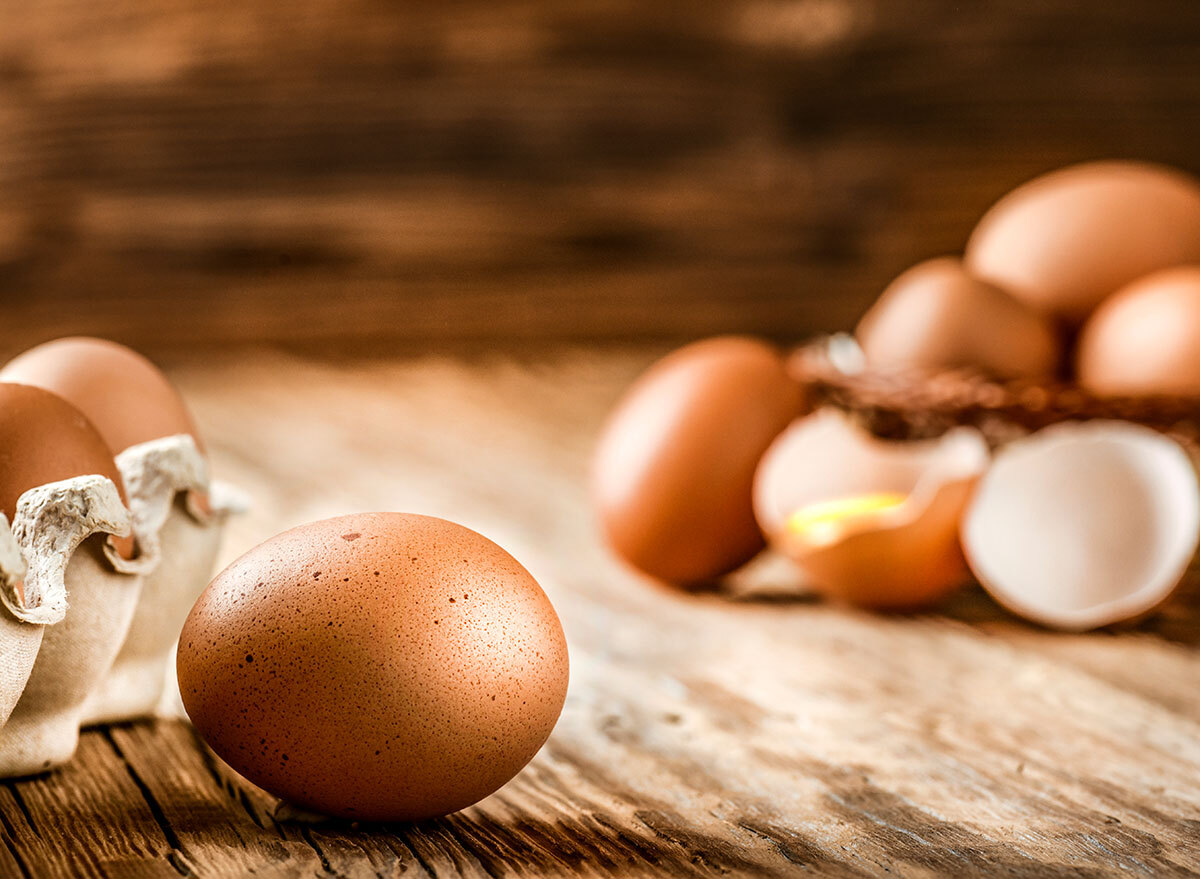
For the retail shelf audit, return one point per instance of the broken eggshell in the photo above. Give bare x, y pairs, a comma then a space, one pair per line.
1084, 525
82, 596
870, 522
178, 521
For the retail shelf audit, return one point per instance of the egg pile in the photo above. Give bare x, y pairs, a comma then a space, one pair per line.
109, 527
1089, 275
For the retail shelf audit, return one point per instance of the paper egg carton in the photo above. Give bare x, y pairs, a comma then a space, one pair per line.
86, 635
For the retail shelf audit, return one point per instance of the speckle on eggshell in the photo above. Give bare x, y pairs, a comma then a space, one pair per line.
371, 693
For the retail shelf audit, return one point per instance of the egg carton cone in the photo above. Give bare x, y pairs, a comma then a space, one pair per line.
178, 518
21, 626
910, 405
80, 599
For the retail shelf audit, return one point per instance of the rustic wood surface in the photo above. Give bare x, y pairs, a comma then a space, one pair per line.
701, 736
390, 173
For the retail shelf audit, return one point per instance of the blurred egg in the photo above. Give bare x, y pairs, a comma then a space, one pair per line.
935, 316
673, 471
1066, 240
380, 666
124, 395
1084, 525
870, 522
1145, 339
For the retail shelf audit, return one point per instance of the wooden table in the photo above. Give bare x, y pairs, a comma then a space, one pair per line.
701, 736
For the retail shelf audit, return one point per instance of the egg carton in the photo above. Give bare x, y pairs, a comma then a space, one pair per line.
86, 635
911, 405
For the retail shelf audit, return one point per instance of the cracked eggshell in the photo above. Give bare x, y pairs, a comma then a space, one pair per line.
1086, 524
673, 470
902, 556
378, 666
1064, 241
84, 605
936, 316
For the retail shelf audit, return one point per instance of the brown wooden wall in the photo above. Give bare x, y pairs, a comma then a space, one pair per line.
381, 173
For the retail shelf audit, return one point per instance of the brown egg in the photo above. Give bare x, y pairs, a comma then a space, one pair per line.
935, 316
380, 666
1066, 240
45, 439
674, 469
1145, 339
125, 395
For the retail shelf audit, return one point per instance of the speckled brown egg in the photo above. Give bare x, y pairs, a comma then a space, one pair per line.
379, 666
673, 473
45, 439
125, 395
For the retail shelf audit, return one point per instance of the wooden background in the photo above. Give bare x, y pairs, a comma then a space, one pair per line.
367, 174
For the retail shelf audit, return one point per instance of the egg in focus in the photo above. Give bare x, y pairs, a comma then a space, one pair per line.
124, 395
869, 522
1066, 240
673, 472
379, 666
1145, 339
45, 439
936, 316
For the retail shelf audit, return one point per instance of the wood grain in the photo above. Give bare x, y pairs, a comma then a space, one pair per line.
381, 174
701, 736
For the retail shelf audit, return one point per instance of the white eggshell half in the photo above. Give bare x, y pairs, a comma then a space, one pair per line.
900, 558
1084, 524
825, 456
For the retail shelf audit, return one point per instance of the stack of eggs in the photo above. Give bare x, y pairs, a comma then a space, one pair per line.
1078, 297
108, 531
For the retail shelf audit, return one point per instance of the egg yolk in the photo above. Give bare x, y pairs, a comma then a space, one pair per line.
823, 520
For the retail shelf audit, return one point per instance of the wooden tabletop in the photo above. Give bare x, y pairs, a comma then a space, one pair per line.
701, 735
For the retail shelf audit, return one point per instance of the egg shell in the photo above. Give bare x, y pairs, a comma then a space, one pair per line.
1083, 525
378, 666
936, 316
45, 439
1144, 340
674, 468
904, 559
124, 395
1066, 240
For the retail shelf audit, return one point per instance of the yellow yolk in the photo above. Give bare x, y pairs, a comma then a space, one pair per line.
822, 520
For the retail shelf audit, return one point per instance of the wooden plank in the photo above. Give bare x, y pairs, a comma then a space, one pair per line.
701, 736
374, 174
89, 819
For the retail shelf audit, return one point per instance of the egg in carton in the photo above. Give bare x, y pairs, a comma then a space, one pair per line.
177, 512
70, 575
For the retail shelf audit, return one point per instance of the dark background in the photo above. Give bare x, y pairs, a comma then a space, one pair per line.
363, 175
